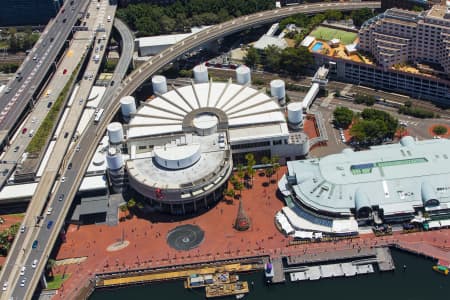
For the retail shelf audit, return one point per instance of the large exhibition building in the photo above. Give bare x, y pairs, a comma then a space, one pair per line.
179, 146
388, 183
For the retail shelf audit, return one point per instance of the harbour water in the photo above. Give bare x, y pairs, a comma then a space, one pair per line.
415, 282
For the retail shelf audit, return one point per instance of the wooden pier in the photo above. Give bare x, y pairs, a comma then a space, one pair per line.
277, 264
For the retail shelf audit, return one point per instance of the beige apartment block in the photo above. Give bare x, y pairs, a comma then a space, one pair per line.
401, 36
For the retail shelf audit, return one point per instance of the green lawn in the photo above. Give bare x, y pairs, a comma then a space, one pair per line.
325, 33
57, 281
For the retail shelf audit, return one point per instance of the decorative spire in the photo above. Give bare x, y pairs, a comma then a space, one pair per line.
242, 222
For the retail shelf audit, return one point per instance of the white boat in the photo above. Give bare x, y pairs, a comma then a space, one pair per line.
240, 296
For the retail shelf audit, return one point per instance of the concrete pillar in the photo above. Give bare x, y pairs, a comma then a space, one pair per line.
184, 210
43, 281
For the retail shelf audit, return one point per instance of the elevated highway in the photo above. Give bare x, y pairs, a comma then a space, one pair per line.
22, 89
94, 132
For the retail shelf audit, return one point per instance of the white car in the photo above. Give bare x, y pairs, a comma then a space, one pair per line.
63, 179
22, 229
34, 264
22, 283
22, 271
49, 210
5, 286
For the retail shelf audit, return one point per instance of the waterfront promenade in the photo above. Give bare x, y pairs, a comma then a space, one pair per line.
147, 247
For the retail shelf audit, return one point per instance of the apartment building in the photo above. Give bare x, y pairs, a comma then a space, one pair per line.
401, 36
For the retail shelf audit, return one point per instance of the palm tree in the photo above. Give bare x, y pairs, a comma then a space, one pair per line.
240, 172
265, 160
275, 161
229, 193
239, 186
250, 158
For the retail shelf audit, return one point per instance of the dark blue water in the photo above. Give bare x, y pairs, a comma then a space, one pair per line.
417, 282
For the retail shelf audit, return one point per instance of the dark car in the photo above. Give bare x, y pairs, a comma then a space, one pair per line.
61, 197
64, 20
64, 71
49, 104
70, 166
35, 244
112, 82
51, 40
66, 135
49, 224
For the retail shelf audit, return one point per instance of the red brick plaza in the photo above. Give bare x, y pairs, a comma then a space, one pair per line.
147, 246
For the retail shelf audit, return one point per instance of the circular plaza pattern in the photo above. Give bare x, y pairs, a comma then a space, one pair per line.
185, 237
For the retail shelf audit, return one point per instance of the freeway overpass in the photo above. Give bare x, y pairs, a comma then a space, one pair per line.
22, 89
92, 135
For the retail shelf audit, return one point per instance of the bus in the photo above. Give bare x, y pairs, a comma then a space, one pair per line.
98, 115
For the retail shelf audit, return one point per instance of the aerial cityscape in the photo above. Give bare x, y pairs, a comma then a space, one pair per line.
224, 149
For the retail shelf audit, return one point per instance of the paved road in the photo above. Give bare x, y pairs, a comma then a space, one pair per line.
93, 133
35, 66
22, 253
20, 140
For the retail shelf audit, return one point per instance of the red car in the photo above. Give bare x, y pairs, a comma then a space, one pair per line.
24, 130
65, 71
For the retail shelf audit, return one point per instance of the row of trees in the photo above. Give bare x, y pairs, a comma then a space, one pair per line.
245, 173
416, 112
148, 19
368, 100
290, 60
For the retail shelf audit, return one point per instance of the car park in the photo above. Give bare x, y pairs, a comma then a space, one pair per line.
35, 244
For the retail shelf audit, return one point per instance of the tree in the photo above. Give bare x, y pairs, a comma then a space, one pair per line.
275, 161
265, 160
333, 15
343, 117
439, 130
49, 267
252, 58
295, 60
361, 15
239, 186
229, 193
272, 58
131, 203
240, 172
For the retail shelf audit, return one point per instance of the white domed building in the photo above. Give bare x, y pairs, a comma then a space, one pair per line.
182, 144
